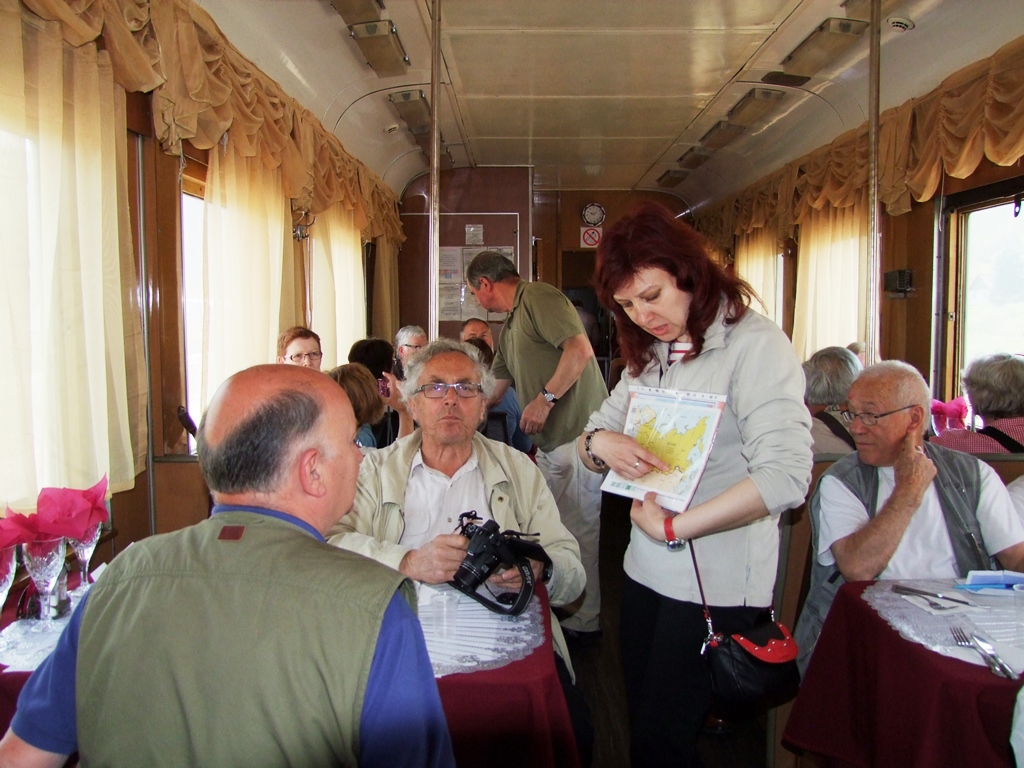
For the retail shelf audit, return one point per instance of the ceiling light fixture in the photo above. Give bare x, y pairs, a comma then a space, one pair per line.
412, 107
379, 42
358, 11
832, 38
672, 178
693, 158
756, 104
721, 134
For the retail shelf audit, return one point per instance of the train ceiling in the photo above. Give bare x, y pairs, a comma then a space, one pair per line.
696, 98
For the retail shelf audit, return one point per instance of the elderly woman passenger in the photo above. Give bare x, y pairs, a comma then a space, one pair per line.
995, 386
829, 374
684, 323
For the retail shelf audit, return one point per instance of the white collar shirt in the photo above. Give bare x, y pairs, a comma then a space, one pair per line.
434, 501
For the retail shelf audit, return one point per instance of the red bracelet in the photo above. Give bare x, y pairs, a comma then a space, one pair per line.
671, 540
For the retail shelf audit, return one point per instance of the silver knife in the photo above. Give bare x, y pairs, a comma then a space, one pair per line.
903, 589
986, 649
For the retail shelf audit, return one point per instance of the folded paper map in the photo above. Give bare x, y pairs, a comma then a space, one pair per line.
679, 428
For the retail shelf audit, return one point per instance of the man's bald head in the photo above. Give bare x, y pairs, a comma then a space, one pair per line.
257, 420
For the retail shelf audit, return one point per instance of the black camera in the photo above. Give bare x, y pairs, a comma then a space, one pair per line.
490, 548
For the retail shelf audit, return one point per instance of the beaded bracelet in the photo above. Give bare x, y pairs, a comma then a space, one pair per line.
595, 460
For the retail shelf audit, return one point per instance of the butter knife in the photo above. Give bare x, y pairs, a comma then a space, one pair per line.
986, 649
903, 589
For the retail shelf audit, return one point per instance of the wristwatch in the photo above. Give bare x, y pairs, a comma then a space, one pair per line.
548, 396
672, 541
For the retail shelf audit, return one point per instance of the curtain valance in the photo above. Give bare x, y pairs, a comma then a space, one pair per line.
976, 112
203, 89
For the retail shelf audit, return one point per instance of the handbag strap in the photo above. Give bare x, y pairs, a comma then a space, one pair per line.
703, 600
1003, 439
700, 586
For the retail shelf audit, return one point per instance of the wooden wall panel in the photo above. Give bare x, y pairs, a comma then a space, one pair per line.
182, 498
908, 242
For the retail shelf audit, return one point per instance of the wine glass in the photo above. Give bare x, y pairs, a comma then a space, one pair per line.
44, 560
8, 567
84, 547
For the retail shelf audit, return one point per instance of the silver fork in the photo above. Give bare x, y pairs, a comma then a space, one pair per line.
935, 605
961, 639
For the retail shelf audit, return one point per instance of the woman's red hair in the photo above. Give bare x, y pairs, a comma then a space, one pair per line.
651, 237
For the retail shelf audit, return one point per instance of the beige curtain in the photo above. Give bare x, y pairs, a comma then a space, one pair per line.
63, 391
757, 262
831, 279
203, 89
248, 234
339, 294
385, 289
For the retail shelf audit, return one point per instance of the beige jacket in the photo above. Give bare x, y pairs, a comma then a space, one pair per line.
519, 500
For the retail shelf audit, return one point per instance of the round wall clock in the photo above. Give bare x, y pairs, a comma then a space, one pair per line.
593, 214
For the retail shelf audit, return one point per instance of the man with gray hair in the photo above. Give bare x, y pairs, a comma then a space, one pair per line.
245, 640
995, 386
900, 508
409, 340
411, 493
828, 376
545, 350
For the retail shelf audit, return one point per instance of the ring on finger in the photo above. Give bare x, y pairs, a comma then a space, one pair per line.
636, 464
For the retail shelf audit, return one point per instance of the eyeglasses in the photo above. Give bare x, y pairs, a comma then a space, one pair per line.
314, 357
869, 419
411, 346
440, 389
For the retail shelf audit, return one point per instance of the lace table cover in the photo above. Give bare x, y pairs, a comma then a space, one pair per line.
992, 616
482, 639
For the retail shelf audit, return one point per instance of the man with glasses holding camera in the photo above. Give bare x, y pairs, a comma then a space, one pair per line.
299, 346
900, 508
410, 494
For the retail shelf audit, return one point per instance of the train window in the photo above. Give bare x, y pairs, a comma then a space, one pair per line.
192, 300
987, 307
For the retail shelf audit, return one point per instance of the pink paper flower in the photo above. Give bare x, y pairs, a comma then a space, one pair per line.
69, 512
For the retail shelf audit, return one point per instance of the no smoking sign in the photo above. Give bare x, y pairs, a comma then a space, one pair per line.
590, 237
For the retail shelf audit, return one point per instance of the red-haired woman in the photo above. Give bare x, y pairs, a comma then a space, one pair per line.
685, 324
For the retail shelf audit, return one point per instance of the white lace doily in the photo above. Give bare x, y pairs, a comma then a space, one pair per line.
991, 616
481, 639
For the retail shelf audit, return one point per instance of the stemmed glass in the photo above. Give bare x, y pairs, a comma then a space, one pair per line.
44, 560
84, 547
8, 567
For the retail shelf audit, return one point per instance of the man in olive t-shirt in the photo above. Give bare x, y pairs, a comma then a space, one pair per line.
545, 350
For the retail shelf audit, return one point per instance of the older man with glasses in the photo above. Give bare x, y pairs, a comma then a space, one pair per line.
410, 494
900, 508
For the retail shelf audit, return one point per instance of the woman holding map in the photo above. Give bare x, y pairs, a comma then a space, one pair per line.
684, 324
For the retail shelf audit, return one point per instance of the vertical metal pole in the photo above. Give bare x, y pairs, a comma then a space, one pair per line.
434, 231
874, 245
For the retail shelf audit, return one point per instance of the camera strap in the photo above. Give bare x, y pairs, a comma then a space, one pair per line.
522, 599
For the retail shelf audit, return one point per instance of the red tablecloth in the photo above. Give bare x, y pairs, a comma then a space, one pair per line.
871, 698
513, 716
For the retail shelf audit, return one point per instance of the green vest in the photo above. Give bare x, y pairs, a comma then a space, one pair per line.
958, 484
197, 649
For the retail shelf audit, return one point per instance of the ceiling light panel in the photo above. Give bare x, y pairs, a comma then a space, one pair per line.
672, 178
756, 104
358, 11
413, 108
721, 134
379, 43
823, 46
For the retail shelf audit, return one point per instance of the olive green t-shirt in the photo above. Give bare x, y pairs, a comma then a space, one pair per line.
529, 348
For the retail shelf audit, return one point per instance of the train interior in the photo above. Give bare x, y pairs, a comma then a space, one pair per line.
241, 167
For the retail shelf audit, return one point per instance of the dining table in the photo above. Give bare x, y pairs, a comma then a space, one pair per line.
500, 714
887, 685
